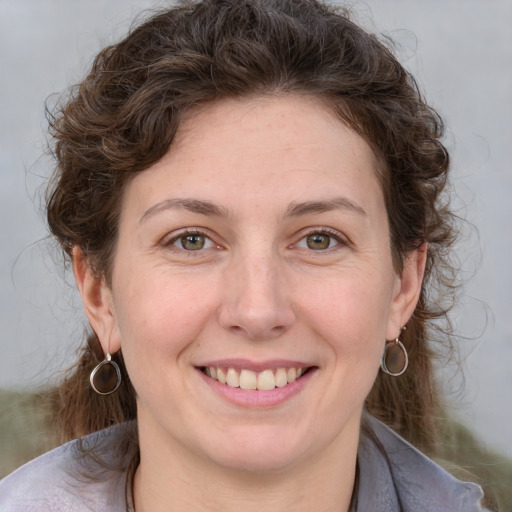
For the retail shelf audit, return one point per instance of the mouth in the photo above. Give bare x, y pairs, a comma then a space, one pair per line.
265, 380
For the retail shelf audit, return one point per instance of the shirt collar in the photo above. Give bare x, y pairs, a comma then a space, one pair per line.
396, 477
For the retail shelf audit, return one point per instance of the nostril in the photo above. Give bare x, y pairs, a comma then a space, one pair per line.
251, 310
257, 332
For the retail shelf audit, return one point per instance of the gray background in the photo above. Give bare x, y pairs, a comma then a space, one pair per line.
461, 53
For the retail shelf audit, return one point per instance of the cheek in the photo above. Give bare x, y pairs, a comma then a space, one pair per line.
357, 301
351, 314
160, 317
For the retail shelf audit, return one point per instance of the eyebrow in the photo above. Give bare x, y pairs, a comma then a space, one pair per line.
192, 205
295, 209
311, 207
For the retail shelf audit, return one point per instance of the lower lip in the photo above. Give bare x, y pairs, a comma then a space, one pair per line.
252, 398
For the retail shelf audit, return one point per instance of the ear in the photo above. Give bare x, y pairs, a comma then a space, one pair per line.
407, 291
97, 300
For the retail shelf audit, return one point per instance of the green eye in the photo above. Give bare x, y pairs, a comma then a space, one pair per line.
191, 242
318, 241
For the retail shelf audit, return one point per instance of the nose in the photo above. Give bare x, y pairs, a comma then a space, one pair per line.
256, 301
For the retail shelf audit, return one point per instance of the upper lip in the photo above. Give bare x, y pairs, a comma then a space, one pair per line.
255, 366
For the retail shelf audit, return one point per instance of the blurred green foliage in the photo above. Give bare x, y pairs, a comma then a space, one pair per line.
462, 455
25, 429
26, 432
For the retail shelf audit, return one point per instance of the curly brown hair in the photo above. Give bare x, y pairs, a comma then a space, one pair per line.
123, 116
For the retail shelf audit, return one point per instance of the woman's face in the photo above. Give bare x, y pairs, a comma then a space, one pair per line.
256, 250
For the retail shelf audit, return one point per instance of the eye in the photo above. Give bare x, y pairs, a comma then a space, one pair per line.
319, 241
192, 242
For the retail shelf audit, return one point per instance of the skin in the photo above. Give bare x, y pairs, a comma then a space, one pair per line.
256, 291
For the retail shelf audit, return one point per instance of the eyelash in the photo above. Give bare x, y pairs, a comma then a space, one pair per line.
327, 232
331, 233
189, 233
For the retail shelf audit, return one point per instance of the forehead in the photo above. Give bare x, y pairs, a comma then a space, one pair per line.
273, 121
252, 148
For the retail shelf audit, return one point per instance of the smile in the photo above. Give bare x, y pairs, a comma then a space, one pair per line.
265, 380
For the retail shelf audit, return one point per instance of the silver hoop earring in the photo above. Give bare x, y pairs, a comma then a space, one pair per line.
395, 359
105, 379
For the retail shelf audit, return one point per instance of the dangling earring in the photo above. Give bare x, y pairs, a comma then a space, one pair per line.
394, 360
105, 379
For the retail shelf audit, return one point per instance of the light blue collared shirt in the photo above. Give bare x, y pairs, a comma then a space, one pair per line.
393, 477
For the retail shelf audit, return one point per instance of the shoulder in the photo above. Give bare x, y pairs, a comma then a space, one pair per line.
407, 479
66, 479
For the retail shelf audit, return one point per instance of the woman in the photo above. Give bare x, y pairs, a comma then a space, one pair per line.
250, 194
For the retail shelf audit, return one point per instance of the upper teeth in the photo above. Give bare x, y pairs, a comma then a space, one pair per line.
247, 379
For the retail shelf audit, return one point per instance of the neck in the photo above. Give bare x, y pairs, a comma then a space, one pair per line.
171, 478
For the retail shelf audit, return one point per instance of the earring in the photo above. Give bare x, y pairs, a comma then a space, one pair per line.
106, 376
394, 360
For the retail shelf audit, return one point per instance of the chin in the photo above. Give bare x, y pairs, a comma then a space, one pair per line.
257, 463
260, 453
